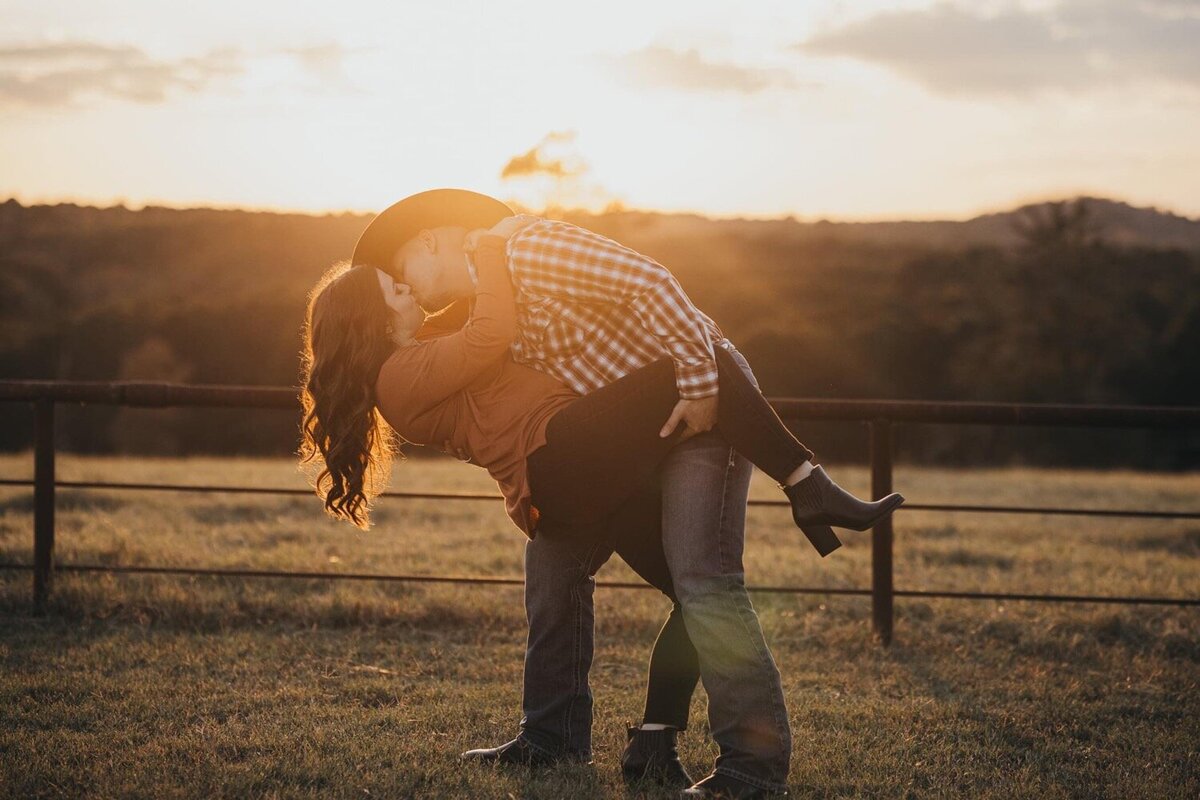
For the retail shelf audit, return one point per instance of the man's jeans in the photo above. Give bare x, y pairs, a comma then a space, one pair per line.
704, 485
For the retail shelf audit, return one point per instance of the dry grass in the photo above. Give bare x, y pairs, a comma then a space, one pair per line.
190, 687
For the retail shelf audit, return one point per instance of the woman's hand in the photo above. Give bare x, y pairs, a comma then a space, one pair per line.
505, 228
456, 452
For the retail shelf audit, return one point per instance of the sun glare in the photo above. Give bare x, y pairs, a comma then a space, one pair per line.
766, 111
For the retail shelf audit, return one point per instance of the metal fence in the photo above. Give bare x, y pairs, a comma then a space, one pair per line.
879, 416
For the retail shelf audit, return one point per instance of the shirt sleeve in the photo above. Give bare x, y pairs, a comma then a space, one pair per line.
557, 259
440, 367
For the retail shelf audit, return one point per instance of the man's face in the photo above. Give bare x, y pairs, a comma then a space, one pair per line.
420, 270
434, 268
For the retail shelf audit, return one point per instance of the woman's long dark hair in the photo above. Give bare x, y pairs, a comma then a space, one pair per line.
346, 447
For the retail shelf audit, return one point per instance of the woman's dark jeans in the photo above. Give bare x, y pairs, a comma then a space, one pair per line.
606, 444
604, 448
597, 449
560, 565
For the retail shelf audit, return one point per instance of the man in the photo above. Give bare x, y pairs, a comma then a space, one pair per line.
589, 312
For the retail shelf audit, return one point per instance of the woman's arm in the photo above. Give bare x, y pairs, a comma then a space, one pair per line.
436, 369
493, 324
454, 316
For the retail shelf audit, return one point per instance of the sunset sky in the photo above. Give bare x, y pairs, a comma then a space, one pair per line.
846, 110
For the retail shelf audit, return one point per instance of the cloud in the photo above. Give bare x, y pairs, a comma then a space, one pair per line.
325, 60
1075, 45
689, 71
62, 73
552, 174
532, 163
542, 160
56, 74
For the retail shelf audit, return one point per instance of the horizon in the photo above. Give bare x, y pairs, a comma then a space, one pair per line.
883, 110
77, 203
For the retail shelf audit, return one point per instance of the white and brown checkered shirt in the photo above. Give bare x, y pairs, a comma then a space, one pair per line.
590, 310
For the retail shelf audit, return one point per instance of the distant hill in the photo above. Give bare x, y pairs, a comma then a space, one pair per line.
1118, 222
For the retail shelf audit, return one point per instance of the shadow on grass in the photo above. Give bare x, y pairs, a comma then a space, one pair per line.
1186, 544
935, 533
65, 500
966, 558
454, 613
273, 509
1043, 706
214, 605
1082, 640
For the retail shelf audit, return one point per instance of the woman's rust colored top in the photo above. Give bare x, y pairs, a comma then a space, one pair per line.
464, 387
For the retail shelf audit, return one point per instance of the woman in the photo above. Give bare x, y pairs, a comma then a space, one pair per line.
555, 455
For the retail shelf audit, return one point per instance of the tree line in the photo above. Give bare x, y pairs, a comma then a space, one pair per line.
1053, 303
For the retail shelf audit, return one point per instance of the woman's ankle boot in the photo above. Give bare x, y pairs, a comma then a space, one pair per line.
651, 755
818, 502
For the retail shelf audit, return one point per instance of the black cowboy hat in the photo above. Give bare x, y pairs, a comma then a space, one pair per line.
401, 221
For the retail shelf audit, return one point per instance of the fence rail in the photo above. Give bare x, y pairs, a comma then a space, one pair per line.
879, 416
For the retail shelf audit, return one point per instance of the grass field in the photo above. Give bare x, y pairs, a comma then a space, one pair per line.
208, 687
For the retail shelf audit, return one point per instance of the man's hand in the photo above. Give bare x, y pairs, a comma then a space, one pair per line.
510, 225
505, 228
698, 415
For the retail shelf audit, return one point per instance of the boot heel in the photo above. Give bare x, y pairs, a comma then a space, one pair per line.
822, 537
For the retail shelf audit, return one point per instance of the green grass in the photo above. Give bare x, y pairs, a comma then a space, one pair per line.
159, 686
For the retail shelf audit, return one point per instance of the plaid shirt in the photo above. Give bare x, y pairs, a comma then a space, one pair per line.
590, 311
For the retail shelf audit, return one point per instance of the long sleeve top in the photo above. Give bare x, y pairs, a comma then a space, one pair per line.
590, 310
465, 388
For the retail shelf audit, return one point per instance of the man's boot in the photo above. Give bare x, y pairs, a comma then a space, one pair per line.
522, 751
724, 787
651, 755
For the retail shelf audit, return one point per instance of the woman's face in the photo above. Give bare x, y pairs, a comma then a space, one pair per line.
407, 316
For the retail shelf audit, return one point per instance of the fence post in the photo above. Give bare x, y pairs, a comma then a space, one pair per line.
881, 535
43, 502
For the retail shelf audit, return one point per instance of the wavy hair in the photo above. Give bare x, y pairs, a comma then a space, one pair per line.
346, 447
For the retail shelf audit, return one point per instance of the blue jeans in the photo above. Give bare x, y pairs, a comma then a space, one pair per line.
704, 485
559, 567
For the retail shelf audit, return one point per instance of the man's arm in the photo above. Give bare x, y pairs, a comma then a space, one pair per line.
557, 259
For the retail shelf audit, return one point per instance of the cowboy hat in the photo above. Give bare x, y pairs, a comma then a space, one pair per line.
401, 221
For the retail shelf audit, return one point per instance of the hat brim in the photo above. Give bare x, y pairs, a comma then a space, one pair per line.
401, 221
